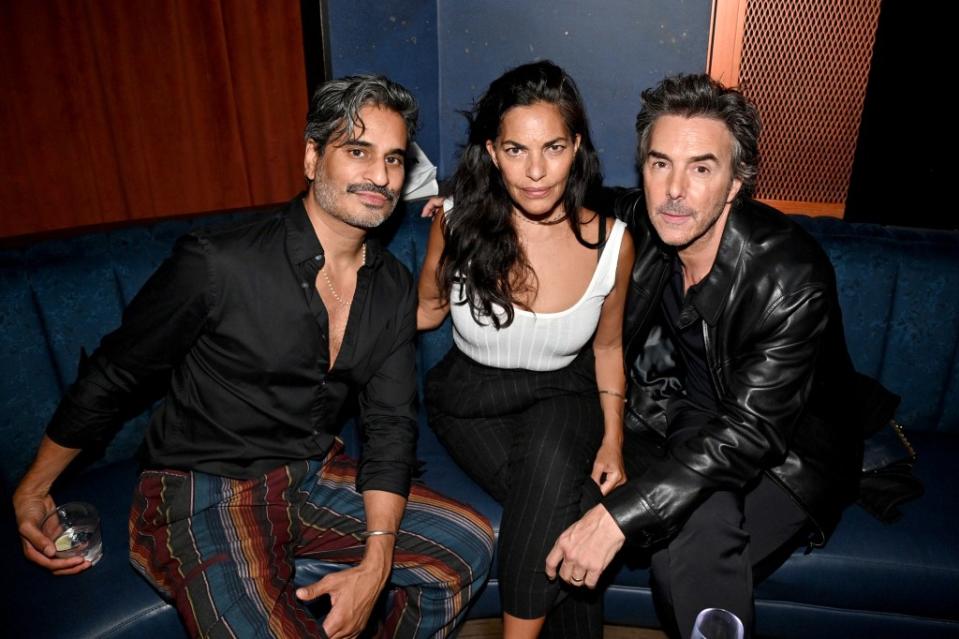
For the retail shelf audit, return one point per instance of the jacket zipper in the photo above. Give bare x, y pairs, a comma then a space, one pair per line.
711, 362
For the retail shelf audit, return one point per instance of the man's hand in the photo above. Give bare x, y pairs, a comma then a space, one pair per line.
32, 502
352, 592
30, 509
583, 551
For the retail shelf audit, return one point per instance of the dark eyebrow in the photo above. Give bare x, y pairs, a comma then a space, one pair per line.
513, 143
562, 138
706, 157
369, 145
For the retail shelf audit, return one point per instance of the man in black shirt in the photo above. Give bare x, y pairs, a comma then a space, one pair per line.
261, 332
742, 440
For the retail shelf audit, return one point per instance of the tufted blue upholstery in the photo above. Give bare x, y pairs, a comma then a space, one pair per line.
898, 291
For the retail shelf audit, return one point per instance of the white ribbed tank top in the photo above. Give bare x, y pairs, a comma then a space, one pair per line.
539, 341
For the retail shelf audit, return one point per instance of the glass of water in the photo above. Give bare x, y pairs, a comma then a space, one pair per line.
74, 528
717, 623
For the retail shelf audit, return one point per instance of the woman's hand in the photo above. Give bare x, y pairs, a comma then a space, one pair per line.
608, 470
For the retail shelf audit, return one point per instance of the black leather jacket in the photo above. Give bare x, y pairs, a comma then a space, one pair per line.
779, 365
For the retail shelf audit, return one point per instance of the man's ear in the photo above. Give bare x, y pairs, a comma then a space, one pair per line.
491, 149
734, 187
311, 157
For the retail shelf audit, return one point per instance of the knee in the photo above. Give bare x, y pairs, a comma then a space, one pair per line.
713, 535
554, 458
566, 428
473, 546
481, 558
717, 522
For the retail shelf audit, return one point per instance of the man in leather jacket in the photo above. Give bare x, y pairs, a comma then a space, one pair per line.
739, 444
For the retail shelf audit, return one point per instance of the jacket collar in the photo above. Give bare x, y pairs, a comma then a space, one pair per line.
711, 294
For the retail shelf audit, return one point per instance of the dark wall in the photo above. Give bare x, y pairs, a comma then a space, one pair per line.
396, 38
613, 49
907, 123
448, 51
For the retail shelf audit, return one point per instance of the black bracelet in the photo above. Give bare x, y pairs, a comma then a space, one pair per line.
612, 392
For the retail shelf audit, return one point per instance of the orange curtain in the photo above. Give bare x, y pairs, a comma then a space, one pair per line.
121, 110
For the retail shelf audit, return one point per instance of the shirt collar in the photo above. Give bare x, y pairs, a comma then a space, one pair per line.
302, 243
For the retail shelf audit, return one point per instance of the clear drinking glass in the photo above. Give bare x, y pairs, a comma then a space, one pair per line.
716, 623
74, 528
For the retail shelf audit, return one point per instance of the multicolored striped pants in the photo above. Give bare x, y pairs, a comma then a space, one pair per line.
223, 549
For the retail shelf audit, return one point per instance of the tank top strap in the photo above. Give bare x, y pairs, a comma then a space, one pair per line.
601, 237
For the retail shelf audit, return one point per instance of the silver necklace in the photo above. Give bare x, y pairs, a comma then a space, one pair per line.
329, 282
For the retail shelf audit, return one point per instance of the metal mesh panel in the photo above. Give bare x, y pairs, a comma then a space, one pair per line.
805, 64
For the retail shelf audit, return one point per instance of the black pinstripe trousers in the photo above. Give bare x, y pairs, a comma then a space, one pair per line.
529, 438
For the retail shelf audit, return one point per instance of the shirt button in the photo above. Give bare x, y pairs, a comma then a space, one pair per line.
304, 285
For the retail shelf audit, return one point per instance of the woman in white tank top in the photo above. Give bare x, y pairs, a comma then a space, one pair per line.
530, 398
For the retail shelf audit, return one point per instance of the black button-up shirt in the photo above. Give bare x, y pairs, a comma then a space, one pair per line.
686, 325
233, 327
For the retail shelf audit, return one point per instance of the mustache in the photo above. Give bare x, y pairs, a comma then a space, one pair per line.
676, 208
369, 187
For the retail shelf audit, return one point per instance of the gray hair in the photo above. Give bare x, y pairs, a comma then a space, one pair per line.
335, 107
699, 95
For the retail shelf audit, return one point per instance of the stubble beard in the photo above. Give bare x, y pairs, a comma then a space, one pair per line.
676, 208
326, 197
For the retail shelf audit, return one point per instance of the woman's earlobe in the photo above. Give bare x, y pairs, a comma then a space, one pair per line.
491, 150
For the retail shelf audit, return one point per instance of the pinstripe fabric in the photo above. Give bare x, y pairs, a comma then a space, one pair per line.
223, 550
529, 438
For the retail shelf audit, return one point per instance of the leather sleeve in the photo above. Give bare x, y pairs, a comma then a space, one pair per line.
766, 383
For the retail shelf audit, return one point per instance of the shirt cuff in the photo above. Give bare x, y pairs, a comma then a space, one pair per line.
67, 428
391, 477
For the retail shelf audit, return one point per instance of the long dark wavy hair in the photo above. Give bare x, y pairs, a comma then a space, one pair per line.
482, 249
